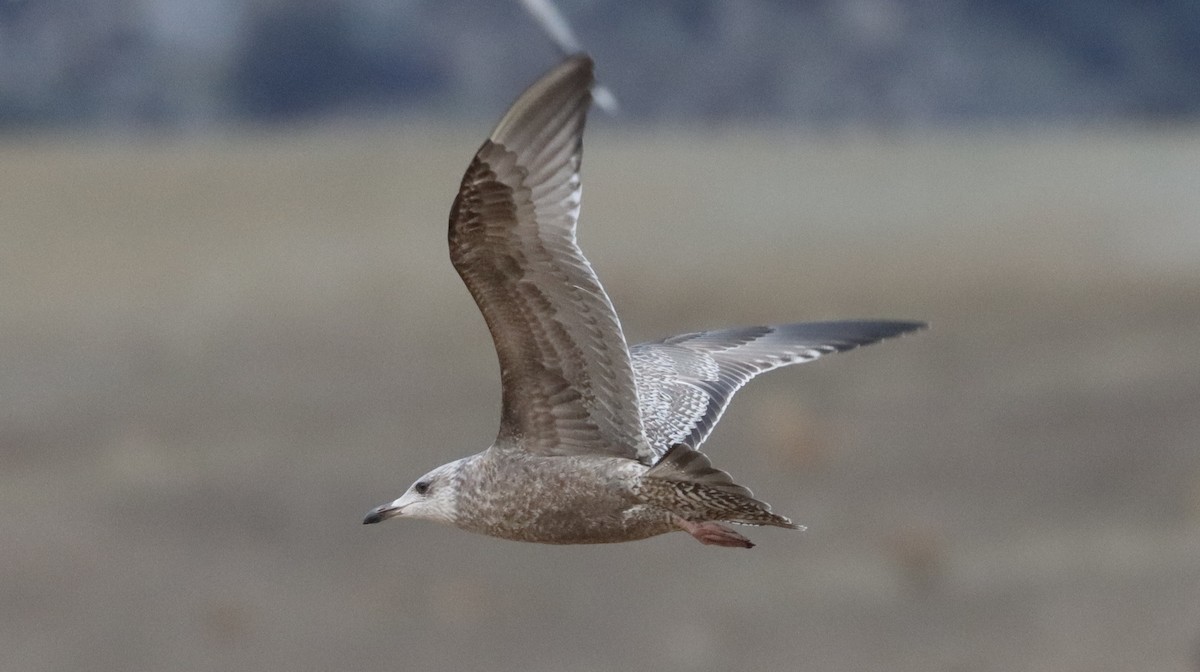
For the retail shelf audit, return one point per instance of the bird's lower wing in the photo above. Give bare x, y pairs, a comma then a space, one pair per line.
685, 382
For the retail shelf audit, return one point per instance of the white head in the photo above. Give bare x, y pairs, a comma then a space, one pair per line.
433, 497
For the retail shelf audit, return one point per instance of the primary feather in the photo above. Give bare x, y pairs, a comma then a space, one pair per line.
685, 382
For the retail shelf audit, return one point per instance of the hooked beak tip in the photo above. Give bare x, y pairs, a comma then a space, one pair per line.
379, 514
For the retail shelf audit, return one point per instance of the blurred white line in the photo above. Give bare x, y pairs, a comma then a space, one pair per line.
552, 21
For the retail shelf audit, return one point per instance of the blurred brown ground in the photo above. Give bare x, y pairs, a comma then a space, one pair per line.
217, 354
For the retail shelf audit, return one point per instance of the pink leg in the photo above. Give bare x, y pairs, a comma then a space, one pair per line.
715, 534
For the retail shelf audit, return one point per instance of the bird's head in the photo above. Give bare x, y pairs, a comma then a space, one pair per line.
432, 497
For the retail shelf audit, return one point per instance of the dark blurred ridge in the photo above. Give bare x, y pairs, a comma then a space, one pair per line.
180, 64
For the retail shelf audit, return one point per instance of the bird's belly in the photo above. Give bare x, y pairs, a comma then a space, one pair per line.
585, 504
585, 526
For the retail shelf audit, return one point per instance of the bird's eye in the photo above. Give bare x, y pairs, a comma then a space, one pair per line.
421, 487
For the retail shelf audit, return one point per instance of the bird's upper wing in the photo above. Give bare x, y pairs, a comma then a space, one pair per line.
568, 385
686, 381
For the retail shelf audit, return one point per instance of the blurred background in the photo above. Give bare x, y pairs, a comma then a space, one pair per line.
229, 326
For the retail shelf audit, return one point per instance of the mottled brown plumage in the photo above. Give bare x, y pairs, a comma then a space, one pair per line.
597, 440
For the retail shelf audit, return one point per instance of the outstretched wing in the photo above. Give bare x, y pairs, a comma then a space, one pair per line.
568, 385
686, 381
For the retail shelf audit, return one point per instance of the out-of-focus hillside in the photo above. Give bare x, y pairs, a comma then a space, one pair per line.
179, 64
217, 355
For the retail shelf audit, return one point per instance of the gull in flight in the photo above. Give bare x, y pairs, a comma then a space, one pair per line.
598, 441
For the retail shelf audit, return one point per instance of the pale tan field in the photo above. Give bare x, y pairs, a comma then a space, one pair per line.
216, 355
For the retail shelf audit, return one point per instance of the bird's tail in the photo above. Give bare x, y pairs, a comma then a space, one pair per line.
686, 483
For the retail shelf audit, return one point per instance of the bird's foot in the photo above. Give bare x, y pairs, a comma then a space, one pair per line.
714, 534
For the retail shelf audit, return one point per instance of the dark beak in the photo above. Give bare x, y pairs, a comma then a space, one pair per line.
380, 514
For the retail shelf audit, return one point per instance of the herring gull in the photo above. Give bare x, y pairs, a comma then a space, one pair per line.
598, 441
